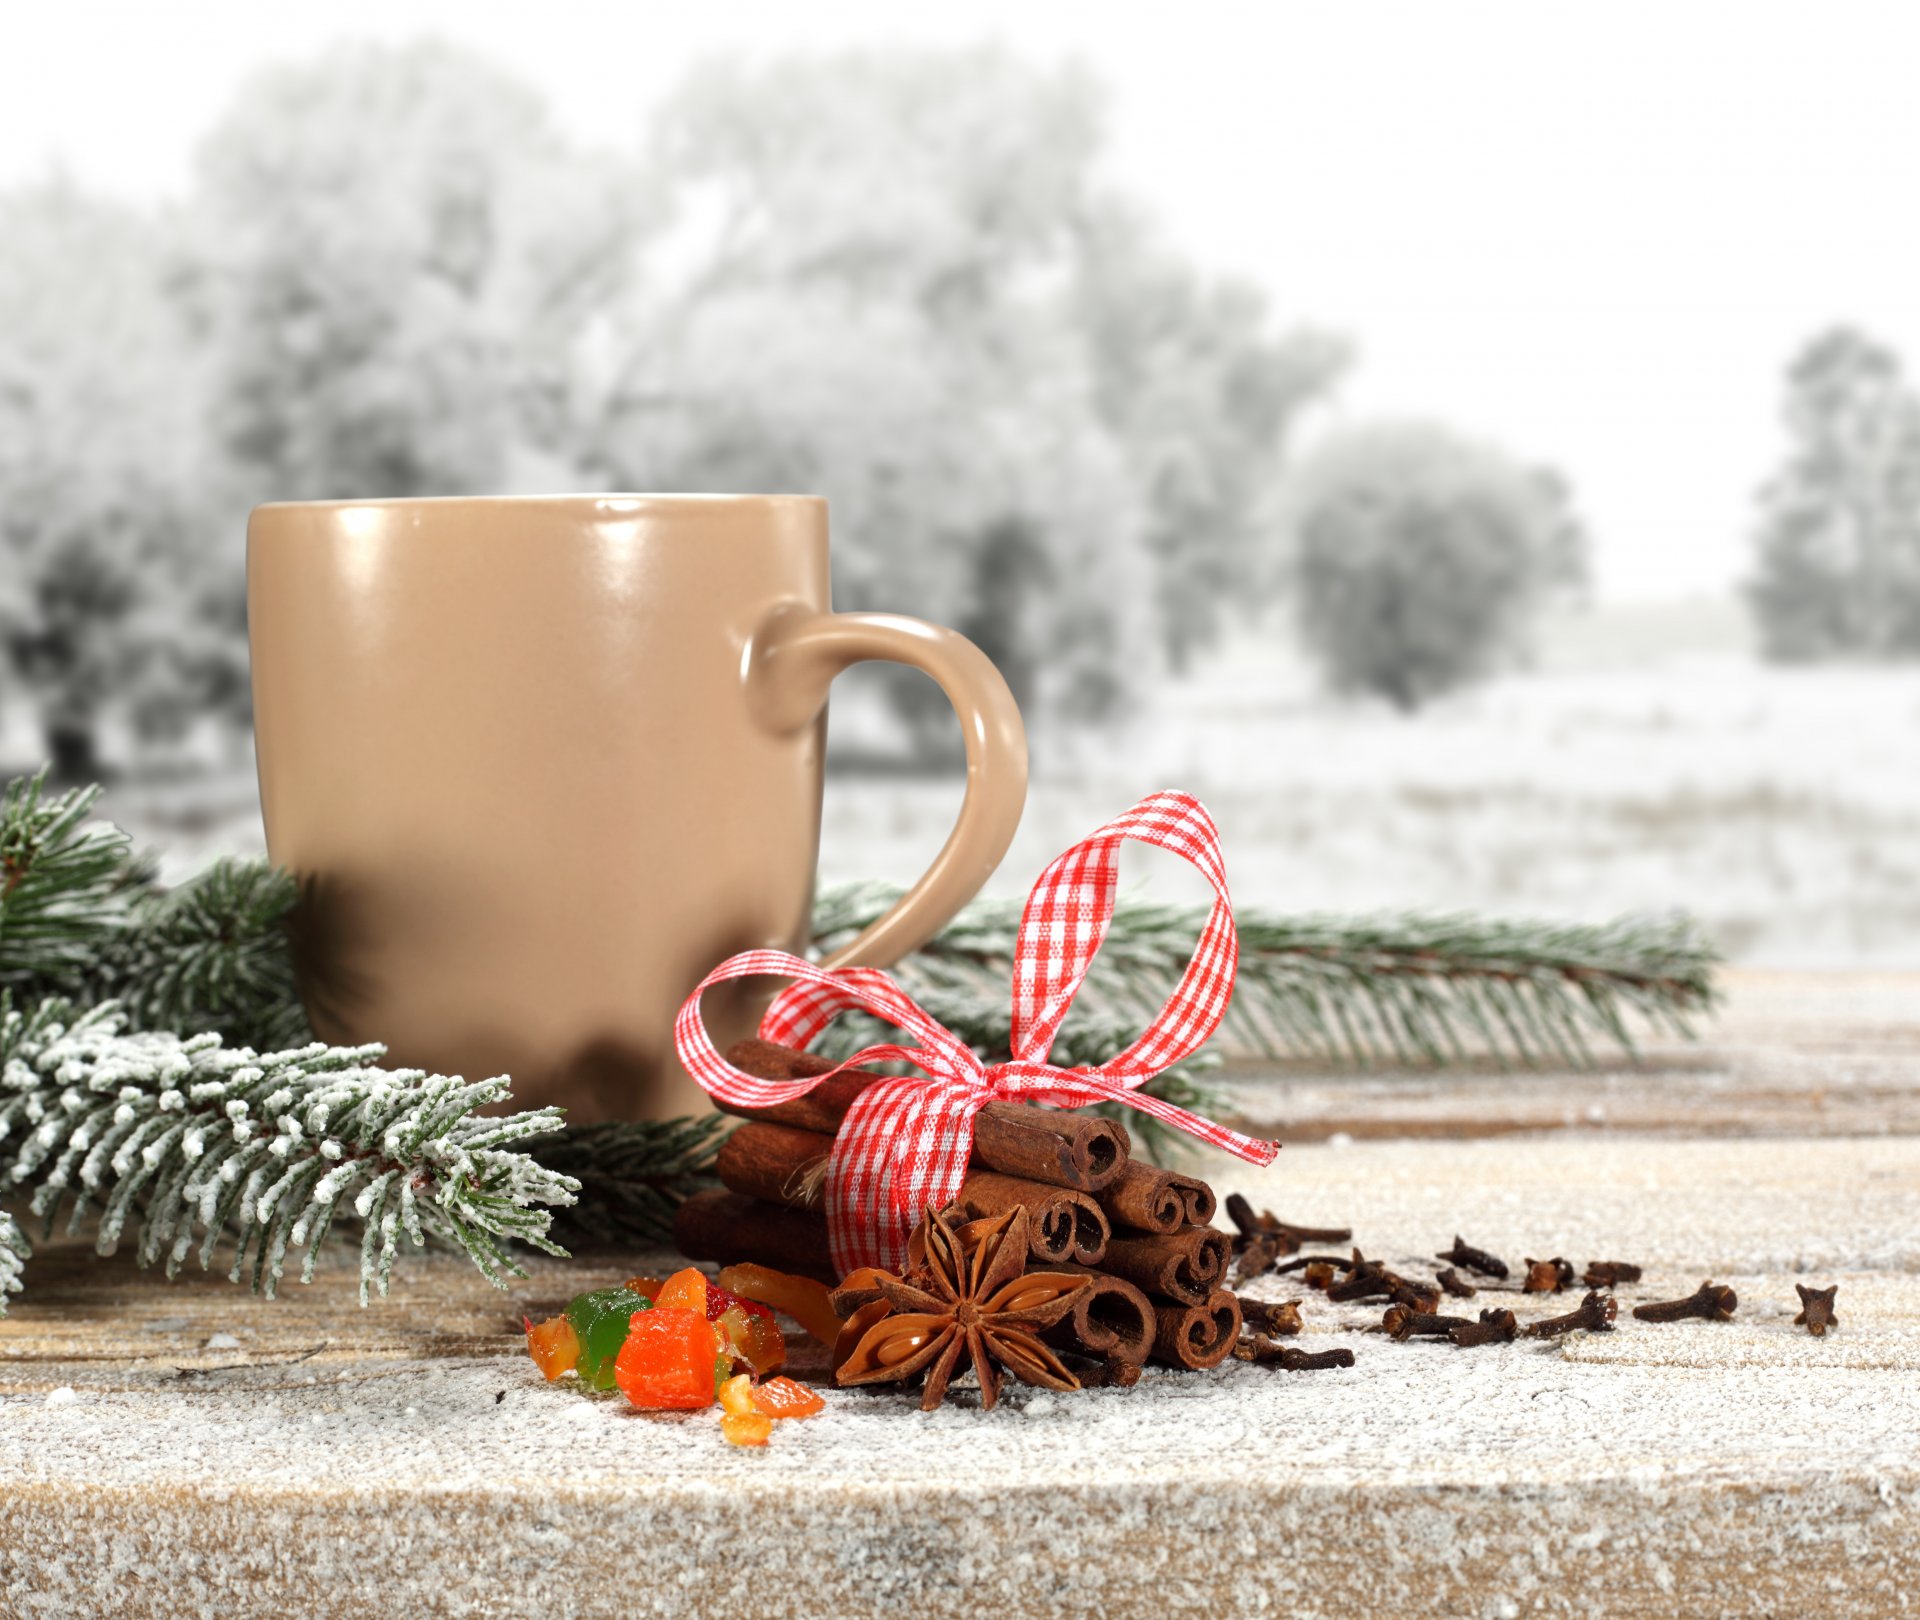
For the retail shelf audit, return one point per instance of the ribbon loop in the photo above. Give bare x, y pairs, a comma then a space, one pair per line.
906, 1140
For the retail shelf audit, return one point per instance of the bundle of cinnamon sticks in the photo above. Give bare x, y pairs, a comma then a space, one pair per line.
1142, 1233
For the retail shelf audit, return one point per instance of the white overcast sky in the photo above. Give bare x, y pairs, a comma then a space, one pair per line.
1593, 233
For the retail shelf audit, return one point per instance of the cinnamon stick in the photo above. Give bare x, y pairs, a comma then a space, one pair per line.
1187, 1266
1196, 1336
1063, 1224
783, 1165
1110, 1319
1081, 1151
1156, 1200
724, 1226
778, 1163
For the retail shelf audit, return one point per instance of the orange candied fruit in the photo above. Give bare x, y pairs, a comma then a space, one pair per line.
736, 1394
646, 1287
683, 1291
667, 1363
746, 1428
783, 1398
800, 1297
554, 1346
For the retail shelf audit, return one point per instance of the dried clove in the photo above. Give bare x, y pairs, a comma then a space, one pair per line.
1367, 1279
1548, 1276
1264, 1352
1710, 1302
1256, 1254
1494, 1327
1318, 1275
1306, 1262
1267, 1224
1416, 1296
1263, 1316
1610, 1273
1464, 1254
1401, 1324
1455, 1284
1113, 1373
1594, 1314
1816, 1309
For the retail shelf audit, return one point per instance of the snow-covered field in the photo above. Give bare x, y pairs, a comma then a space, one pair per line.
1781, 806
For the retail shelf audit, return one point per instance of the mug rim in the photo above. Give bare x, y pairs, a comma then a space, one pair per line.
621, 502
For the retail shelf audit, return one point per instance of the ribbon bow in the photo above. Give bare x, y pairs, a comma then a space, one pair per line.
906, 1140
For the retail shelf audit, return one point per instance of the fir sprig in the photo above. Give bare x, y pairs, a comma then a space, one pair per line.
188, 1140
66, 882
211, 955
1406, 989
633, 1175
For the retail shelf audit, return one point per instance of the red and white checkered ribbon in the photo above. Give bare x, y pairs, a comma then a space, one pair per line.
906, 1140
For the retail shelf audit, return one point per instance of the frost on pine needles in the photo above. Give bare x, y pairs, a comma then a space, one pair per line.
188, 1143
13, 1255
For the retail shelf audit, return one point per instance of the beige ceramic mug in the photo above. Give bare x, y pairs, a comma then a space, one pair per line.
544, 762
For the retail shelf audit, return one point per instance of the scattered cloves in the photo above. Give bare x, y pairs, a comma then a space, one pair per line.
1594, 1314
1494, 1327
1264, 1352
1464, 1254
1548, 1276
1816, 1309
1263, 1316
1710, 1302
1455, 1284
1401, 1324
1610, 1273
1287, 1238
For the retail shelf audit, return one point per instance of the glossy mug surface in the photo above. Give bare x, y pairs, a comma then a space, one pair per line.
541, 763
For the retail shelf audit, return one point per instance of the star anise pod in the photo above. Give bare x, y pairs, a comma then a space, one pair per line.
979, 1304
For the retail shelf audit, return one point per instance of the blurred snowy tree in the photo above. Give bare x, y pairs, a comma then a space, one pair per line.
395, 255
897, 279
1418, 558
99, 464
1203, 395
1839, 540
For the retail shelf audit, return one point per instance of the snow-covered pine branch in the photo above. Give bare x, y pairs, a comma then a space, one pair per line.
13, 1256
190, 1143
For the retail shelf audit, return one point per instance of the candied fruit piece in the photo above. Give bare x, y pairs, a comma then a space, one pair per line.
600, 1319
746, 1428
754, 1339
554, 1346
684, 1291
721, 1300
800, 1297
646, 1287
667, 1362
783, 1398
736, 1394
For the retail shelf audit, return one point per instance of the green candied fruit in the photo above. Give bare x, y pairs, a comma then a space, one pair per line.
600, 1320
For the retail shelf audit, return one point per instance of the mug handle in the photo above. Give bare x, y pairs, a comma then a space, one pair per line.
794, 657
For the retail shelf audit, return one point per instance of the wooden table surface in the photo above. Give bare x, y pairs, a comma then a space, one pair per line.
179, 1449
